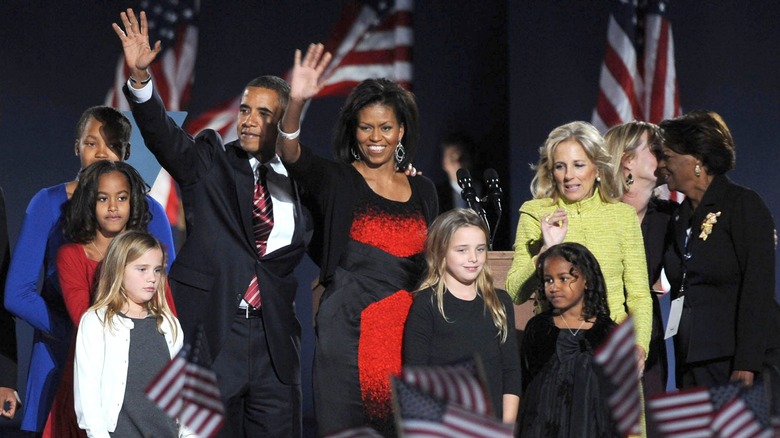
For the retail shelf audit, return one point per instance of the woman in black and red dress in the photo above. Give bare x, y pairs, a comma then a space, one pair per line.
372, 224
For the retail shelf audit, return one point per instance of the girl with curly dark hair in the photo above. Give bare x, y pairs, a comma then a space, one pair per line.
82, 219
561, 392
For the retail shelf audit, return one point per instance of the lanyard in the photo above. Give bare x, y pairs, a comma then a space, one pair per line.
685, 257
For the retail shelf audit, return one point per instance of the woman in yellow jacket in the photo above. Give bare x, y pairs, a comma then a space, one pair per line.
577, 200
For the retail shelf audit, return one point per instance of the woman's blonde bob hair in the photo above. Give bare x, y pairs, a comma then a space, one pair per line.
543, 185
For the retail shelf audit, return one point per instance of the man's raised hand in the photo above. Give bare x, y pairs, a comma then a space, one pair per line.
135, 44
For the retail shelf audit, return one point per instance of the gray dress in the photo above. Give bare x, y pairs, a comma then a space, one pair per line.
139, 416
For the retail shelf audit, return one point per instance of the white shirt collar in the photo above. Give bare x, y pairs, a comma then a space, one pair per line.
275, 163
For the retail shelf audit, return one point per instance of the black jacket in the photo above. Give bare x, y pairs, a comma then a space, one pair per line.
219, 258
729, 308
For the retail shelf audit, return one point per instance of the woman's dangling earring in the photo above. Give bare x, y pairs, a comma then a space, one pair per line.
598, 179
629, 180
697, 171
355, 154
400, 153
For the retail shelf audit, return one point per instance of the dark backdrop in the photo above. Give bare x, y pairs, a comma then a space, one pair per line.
506, 72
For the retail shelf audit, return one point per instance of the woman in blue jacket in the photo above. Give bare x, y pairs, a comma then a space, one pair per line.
102, 133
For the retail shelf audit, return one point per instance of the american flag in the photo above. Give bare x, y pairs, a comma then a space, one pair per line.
367, 42
638, 77
370, 42
423, 415
735, 419
187, 389
618, 363
685, 413
173, 23
746, 415
723, 411
458, 383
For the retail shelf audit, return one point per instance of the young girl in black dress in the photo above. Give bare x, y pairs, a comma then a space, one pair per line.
457, 312
561, 392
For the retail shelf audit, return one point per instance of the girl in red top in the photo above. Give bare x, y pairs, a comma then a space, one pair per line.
110, 197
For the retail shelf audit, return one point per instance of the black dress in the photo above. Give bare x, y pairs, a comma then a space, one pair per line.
369, 250
431, 340
562, 396
361, 317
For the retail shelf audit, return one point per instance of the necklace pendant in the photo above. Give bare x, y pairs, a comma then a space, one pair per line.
573, 332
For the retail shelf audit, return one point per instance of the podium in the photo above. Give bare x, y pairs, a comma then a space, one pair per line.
499, 262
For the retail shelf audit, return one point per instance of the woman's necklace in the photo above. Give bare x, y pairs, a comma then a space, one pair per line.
573, 333
96, 249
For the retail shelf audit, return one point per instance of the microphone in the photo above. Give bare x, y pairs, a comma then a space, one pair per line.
468, 193
494, 191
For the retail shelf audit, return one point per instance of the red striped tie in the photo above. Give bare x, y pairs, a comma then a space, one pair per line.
263, 223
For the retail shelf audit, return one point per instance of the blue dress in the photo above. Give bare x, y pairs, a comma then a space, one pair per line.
39, 240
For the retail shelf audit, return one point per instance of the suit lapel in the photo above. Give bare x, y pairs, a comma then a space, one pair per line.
245, 185
712, 202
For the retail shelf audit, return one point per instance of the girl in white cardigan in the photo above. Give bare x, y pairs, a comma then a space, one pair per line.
124, 340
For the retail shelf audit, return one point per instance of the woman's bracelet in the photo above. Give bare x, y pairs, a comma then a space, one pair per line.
285, 135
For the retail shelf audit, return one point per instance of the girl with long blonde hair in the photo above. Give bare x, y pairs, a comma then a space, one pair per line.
124, 339
457, 313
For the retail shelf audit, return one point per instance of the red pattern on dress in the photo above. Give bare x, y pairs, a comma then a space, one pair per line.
401, 236
379, 351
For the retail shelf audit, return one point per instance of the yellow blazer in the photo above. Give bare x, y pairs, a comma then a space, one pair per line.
612, 233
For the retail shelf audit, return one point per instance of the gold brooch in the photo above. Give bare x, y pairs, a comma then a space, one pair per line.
706, 226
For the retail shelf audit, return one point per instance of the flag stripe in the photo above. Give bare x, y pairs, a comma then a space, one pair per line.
457, 384
386, 56
618, 363
682, 413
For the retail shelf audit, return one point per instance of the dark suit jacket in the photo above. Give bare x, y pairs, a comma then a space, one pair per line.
446, 196
219, 258
729, 308
7, 323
